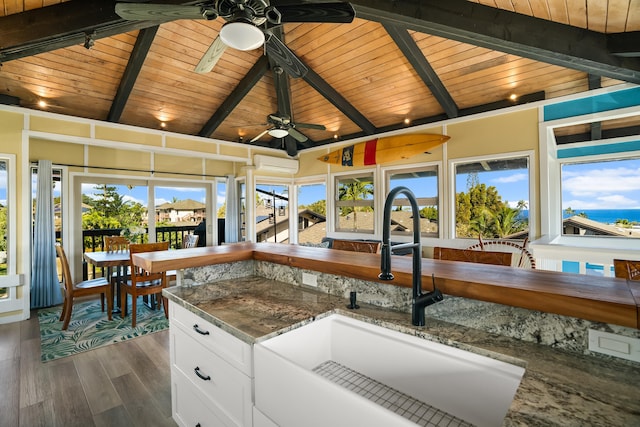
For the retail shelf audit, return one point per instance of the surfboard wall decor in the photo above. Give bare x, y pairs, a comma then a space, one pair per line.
384, 150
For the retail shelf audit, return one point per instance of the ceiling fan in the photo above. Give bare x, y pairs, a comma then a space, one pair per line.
282, 126
248, 26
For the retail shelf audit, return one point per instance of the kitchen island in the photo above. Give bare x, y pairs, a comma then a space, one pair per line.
558, 388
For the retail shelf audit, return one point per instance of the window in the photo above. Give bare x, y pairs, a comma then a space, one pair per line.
272, 213
354, 203
601, 198
312, 213
423, 182
492, 198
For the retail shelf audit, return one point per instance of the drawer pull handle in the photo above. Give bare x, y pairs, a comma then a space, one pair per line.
202, 377
200, 331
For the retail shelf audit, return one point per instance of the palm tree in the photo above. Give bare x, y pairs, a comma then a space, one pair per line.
356, 190
505, 221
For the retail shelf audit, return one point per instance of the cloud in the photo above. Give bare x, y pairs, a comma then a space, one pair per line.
601, 181
516, 177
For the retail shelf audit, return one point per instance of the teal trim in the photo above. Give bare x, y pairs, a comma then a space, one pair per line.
593, 104
570, 267
621, 147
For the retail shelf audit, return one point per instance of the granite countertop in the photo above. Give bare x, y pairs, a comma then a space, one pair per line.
558, 388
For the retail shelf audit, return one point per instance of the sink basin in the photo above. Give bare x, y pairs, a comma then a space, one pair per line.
373, 371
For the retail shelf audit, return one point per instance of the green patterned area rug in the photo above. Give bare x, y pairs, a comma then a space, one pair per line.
90, 329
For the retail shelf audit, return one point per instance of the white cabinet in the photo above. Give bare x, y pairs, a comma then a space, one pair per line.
211, 373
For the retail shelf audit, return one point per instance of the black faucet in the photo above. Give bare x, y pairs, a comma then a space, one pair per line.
419, 300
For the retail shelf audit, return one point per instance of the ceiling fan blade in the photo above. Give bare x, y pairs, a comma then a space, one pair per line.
162, 12
290, 146
310, 126
283, 56
259, 136
279, 119
337, 12
297, 135
211, 56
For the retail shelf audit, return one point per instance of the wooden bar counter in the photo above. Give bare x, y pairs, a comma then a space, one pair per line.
600, 299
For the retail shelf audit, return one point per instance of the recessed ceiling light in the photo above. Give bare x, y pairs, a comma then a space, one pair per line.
42, 103
513, 97
407, 121
163, 125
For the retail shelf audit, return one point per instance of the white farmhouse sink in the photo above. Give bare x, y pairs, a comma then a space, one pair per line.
465, 385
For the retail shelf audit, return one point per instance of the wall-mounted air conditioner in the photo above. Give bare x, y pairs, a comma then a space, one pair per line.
275, 164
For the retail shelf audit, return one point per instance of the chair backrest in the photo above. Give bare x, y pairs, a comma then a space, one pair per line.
521, 257
190, 241
627, 269
116, 244
138, 274
66, 272
468, 255
356, 246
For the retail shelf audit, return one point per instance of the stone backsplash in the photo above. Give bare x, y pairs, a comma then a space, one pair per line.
567, 333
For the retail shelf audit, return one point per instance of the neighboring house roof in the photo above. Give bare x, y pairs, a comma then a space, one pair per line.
181, 205
591, 227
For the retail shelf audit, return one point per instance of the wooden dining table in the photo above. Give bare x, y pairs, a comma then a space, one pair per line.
118, 261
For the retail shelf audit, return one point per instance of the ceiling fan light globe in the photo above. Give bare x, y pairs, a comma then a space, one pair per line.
241, 35
278, 133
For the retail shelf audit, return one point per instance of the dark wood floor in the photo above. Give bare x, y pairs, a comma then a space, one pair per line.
123, 384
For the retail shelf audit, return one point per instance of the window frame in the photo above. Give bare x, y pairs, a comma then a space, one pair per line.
295, 188
551, 173
392, 170
451, 182
374, 203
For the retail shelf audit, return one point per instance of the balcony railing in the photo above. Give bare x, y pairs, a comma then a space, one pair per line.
94, 241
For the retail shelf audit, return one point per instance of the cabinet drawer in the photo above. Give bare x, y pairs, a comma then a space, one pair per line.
225, 345
228, 388
189, 408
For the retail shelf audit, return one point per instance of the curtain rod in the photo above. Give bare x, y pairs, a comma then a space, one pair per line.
135, 170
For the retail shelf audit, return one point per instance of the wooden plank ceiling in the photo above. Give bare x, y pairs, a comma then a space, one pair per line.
398, 64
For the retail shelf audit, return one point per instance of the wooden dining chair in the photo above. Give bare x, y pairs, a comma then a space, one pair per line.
116, 244
356, 246
626, 269
143, 282
188, 241
469, 255
99, 286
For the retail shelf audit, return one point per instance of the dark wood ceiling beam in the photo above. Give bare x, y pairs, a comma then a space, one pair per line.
531, 97
421, 65
63, 25
506, 31
283, 98
244, 87
595, 82
624, 44
331, 95
136, 60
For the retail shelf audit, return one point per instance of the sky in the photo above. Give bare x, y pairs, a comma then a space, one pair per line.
604, 185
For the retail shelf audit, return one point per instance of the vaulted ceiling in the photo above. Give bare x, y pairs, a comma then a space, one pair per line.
398, 64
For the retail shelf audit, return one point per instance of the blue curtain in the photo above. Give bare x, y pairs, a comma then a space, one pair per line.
231, 217
45, 287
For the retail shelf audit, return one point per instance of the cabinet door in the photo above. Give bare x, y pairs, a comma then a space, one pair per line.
232, 349
228, 389
189, 408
